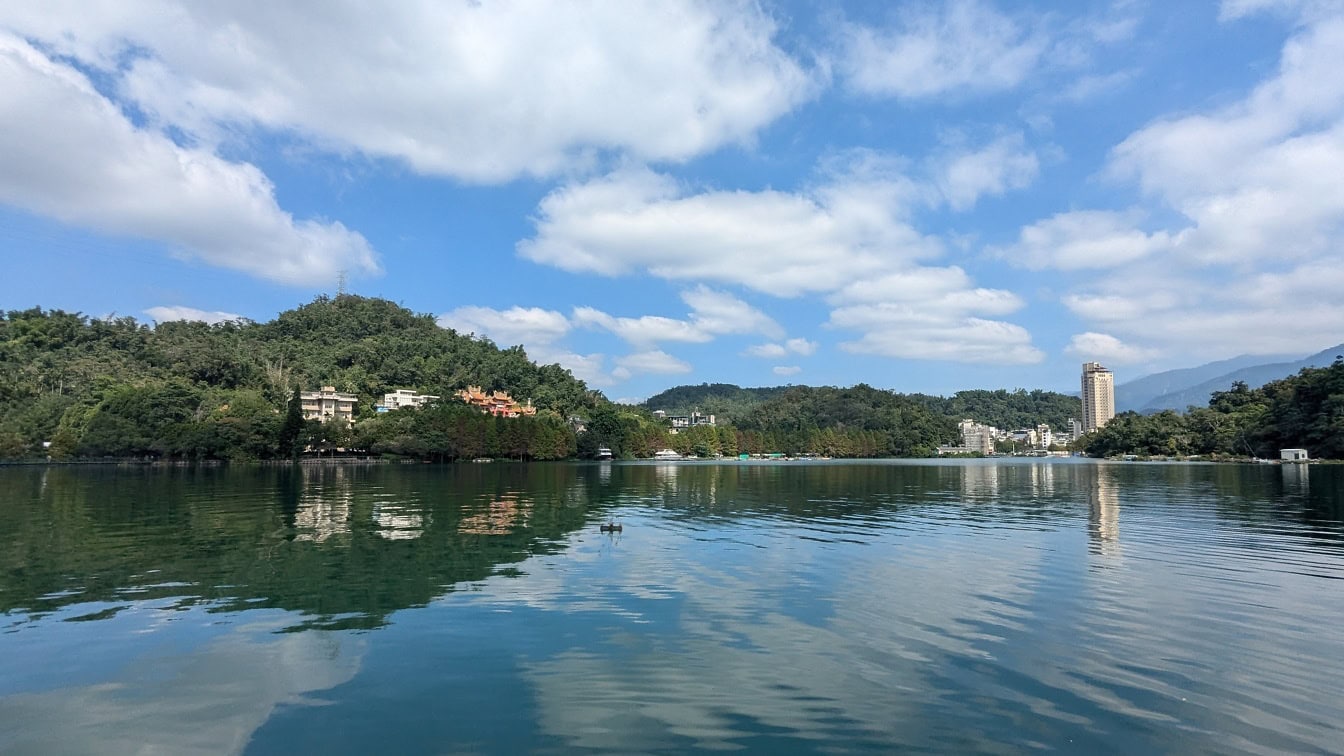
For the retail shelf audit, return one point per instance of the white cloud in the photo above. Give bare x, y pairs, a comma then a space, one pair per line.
898, 330
1103, 347
772, 350
516, 325
961, 46
712, 313
847, 239
638, 220
164, 314
994, 169
651, 361
719, 312
786, 370
68, 153
478, 91
537, 330
1251, 265
642, 331
1083, 239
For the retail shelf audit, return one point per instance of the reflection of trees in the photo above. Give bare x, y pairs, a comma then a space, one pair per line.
344, 545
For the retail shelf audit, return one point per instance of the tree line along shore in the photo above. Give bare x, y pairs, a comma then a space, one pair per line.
79, 388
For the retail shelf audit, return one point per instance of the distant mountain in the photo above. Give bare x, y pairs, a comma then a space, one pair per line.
1141, 392
1253, 376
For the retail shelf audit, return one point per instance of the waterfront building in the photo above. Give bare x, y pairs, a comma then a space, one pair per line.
1293, 455
976, 437
1043, 436
404, 398
328, 404
1098, 396
497, 403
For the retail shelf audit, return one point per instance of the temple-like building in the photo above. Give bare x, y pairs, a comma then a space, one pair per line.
497, 403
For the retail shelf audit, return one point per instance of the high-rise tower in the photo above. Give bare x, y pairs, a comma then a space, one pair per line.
1098, 396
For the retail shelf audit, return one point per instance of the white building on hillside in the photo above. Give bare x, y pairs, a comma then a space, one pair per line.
328, 404
404, 398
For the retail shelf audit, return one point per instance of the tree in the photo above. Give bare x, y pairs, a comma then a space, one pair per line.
292, 427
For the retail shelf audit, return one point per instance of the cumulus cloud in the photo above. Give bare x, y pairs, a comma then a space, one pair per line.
1103, 347
1252, 263
897, 330
68, 153
516, 325
478, 91
848, 239
963, 46
713, 313
767, 351
719, 312
650, 361
1002, 165
164, 314
638, 220
644, 330
772, 350
1083, 239
537, 330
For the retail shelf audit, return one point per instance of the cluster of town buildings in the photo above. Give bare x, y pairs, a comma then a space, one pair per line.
328, 404
1097, 400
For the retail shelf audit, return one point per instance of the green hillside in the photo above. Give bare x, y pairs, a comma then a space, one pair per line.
188, 389
1302, 411
723, 399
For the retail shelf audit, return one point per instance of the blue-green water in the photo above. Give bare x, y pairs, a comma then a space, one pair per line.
774, 607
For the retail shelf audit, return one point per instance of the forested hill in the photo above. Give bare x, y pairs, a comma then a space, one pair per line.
1008, 410
1303, 411
59, 370
723, 399
1000, 408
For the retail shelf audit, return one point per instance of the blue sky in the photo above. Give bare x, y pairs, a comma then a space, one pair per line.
923, 196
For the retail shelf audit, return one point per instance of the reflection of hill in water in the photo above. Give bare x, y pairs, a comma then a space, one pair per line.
345, 545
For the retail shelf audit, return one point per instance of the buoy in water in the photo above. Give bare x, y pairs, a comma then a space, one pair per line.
610, 527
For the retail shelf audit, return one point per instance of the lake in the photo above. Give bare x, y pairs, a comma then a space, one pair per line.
782, 607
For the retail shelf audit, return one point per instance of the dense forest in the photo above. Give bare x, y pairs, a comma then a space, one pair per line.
1302, 411
719, 399
116, 387
836, 422
999, 408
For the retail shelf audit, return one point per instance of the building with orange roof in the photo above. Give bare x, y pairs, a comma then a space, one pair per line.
497, 403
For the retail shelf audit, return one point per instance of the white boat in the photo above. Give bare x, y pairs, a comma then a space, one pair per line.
603, 452
667, 454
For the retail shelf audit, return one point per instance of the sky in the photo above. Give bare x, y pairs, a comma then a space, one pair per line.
921, 196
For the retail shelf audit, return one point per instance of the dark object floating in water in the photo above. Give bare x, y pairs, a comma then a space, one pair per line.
610, 527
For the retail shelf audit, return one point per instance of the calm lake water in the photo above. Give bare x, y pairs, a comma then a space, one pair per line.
774, 607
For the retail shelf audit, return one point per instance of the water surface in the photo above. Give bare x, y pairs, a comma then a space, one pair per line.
775, 607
